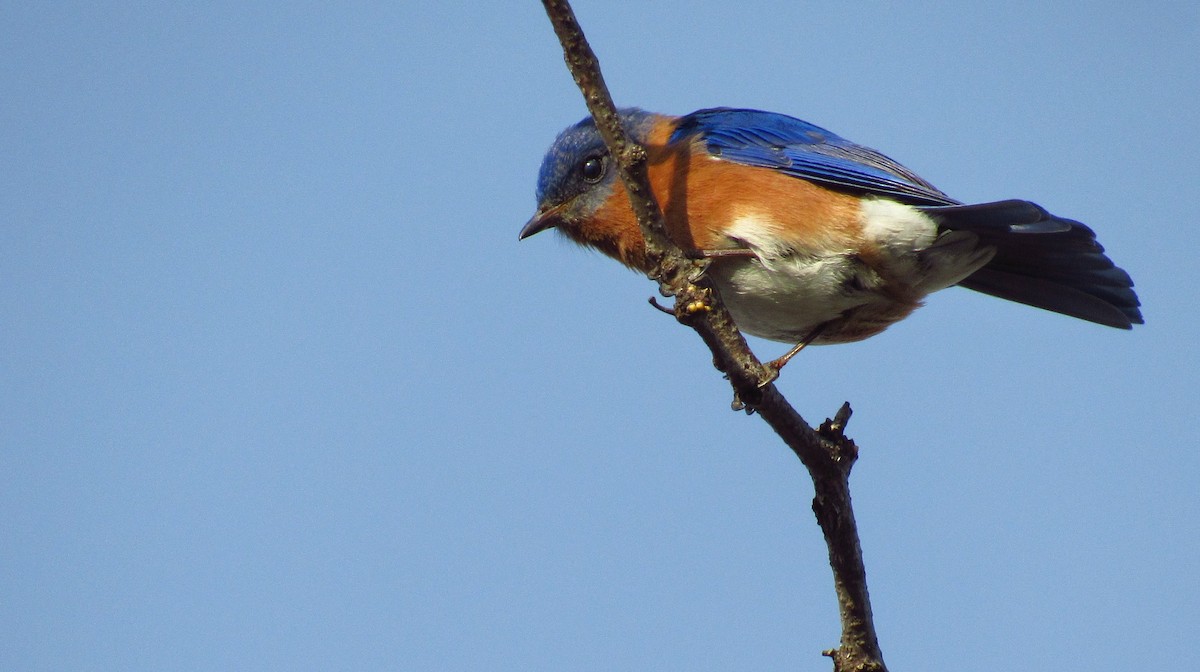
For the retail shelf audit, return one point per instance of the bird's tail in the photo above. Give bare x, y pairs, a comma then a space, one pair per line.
1044, 261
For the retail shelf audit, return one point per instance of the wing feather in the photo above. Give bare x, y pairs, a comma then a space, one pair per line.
806, 151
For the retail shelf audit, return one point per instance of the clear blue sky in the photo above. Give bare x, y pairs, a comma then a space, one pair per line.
279, 389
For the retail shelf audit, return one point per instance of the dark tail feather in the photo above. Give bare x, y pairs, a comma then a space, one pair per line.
1044, 261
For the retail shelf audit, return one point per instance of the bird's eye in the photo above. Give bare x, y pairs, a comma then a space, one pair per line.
593, 169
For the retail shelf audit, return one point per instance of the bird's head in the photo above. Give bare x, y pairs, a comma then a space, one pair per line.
577, 174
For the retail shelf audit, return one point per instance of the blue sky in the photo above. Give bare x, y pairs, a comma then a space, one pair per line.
281, 390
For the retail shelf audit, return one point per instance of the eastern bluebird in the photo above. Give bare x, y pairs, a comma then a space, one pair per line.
813, 238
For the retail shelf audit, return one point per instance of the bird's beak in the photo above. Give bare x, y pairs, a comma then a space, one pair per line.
544, 218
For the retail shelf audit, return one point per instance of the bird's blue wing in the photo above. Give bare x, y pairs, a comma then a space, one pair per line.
800, 149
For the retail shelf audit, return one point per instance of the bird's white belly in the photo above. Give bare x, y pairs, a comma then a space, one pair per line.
786, 299
788, 290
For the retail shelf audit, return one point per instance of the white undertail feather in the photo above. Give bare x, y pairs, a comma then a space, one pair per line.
896, 227
919, 254
952, 257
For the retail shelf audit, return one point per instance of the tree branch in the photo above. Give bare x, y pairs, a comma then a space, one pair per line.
826, 453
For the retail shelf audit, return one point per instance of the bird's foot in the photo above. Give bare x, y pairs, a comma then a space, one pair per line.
778, 364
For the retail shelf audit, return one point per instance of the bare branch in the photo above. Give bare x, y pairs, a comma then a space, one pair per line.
827, 453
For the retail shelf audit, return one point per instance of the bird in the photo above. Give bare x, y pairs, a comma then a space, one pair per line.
813, 239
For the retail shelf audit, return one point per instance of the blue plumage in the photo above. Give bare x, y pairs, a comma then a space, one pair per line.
804, 150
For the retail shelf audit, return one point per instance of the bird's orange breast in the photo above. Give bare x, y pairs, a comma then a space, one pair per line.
703, 197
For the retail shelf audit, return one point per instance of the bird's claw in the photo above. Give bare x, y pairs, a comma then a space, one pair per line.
699, 269
772, 374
